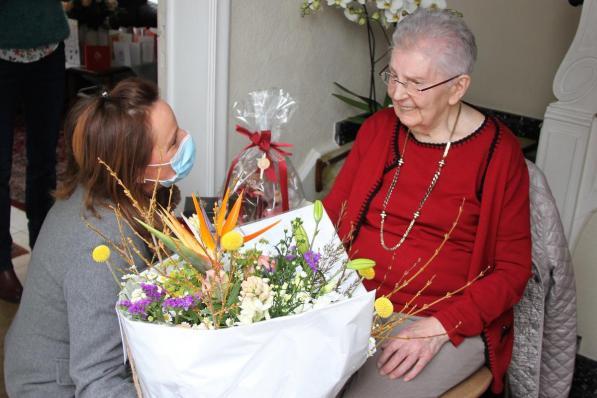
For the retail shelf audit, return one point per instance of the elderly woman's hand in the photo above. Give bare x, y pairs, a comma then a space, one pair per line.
400, 356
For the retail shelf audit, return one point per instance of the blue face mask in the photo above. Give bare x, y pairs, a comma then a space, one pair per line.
182, 162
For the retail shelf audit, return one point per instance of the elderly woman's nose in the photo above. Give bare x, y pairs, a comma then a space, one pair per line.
398, 91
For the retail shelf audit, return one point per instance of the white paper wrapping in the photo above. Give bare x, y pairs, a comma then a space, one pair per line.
306, 355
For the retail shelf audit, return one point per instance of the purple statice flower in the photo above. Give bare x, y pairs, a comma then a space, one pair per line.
185, 302
312, 259
139, 307
152, 291
124, 303
290, 256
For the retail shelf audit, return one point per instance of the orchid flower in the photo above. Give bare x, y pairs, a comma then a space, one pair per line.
434, 3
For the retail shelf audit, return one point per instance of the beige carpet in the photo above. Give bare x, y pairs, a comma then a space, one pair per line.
7, 312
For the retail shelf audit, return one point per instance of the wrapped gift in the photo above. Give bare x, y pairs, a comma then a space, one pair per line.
311, 352
262, 170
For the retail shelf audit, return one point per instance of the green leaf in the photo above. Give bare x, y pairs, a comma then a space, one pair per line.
359, 119
177, 247
351, 102
233, 295
376, 105
387, 101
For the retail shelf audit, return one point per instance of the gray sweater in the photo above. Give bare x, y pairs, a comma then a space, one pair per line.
65, 339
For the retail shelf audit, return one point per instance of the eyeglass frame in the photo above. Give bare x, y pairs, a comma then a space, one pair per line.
393, 78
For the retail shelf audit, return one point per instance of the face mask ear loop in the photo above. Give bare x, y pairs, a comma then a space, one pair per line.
158, 164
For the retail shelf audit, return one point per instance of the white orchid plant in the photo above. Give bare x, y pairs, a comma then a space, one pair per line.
369, 13
388, 12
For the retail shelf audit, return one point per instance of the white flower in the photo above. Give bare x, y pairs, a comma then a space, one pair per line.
256, 300
372, 347
206, 324
167, 318
338, 3
351, 15
431, 3
184, 325
393, 5
362, 2
410, 6
392, 17
138, 294
300, 272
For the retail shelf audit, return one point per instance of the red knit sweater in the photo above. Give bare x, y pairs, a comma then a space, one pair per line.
497, 204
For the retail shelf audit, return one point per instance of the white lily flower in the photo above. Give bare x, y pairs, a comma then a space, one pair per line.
437, 3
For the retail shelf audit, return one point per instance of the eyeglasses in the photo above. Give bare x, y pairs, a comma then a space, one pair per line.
411, 88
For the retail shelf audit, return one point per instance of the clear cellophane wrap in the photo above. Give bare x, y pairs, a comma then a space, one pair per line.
262, 171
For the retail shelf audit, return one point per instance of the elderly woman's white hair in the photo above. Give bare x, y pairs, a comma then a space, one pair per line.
442, 35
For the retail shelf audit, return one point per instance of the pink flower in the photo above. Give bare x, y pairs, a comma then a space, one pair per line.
212, 278
265, 262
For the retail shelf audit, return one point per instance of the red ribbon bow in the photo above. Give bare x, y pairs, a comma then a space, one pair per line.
263, 140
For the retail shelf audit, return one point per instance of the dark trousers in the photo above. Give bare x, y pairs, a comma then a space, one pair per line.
39, 87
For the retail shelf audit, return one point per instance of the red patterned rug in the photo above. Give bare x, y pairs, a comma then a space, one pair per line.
19, 164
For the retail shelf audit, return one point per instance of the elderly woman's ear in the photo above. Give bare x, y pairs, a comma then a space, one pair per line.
459, 88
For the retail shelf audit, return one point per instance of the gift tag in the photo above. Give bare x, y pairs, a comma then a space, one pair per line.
263, 163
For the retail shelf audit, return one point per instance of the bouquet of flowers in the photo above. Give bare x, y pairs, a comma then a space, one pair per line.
271, 308
262, 169
225, 314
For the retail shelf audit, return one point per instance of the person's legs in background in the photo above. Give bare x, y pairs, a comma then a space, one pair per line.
10, 88
44, 102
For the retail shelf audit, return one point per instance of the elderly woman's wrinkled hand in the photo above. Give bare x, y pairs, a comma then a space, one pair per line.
407, 357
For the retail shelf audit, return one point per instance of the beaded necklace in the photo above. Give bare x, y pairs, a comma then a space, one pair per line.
434, 180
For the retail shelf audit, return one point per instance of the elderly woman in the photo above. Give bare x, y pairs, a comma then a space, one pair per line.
411, 170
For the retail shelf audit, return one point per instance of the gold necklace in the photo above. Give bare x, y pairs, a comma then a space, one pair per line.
434, 180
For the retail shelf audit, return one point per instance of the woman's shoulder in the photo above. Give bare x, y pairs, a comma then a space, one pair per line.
385, 116
381, 123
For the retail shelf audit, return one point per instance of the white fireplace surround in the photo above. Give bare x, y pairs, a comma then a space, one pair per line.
568, 143
568, 155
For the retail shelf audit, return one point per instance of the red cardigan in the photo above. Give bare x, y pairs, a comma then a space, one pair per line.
503, 239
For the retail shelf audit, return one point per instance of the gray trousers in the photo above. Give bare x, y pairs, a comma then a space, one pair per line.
449, 367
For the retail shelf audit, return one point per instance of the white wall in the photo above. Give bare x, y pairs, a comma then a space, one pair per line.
585, 269
272, 46
521, 45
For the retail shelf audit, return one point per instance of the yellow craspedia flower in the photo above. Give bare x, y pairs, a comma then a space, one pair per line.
232, 240
384, 307
101, 254
367, 273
